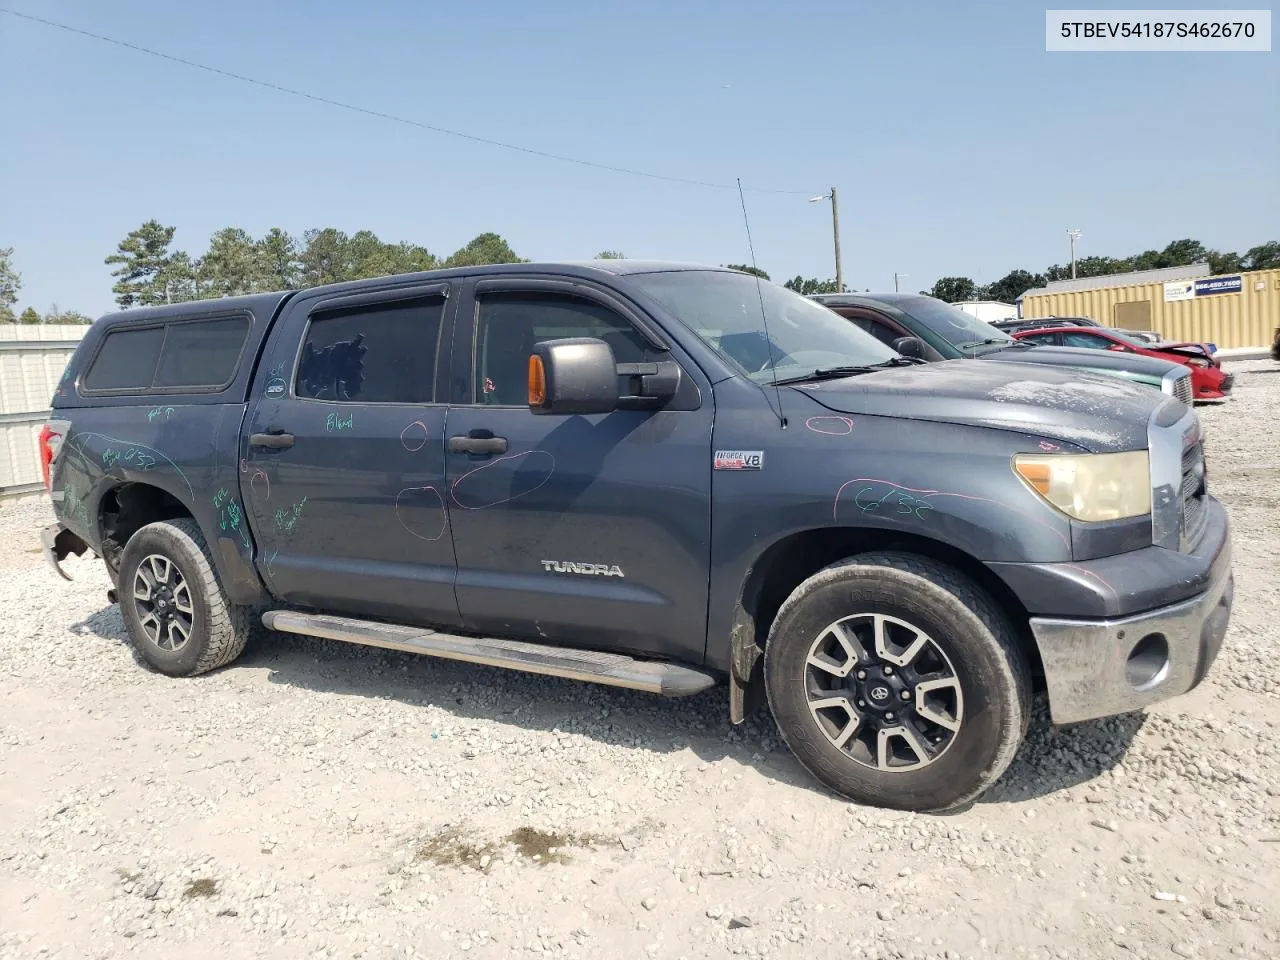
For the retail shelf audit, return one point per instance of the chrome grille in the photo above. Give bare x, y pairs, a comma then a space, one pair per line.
1193, 494
1182, 388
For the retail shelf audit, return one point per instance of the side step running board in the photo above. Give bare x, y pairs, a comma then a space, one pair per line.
616, 670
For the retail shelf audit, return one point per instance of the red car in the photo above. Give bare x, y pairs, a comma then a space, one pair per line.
1208, 381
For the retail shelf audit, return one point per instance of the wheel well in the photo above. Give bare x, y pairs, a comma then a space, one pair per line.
792, 560
128, 508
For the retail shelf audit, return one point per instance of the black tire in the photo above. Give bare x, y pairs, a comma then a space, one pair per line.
979, 648
218, 629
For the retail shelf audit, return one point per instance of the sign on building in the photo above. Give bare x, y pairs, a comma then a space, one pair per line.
1212, 285
1179, 290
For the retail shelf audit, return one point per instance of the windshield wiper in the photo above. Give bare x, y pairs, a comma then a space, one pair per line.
831, 373
983, 343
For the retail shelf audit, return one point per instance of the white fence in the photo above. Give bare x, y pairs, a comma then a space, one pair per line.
32, 360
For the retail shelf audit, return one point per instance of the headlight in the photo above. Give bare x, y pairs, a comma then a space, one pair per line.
1090, 486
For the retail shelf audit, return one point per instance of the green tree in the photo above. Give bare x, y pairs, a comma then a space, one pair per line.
323, 257
276, 255
54, 315
486, 248
1228, 262
746, 268
1092, 267
1100, 266
1179, 253
1265, 256
231, 266
30, 315
10, 284
807, 286
611, 255
1146, 260
366, 256
1013, 285
411, 258
141, 258
954, 289
182, 279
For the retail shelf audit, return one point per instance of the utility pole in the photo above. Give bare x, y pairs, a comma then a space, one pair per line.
835, 232
895, 280
1073, 236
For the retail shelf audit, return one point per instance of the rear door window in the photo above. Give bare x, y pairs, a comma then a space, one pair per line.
1089, 340
881, 331
372, 354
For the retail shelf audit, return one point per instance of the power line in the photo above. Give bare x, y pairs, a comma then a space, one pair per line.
388, 116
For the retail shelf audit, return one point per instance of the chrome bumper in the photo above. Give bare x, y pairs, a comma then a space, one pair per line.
1099, 668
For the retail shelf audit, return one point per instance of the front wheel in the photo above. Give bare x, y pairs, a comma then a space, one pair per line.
179, 619
897, 682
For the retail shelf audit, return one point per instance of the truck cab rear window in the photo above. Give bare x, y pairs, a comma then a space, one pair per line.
192, 354
201, 354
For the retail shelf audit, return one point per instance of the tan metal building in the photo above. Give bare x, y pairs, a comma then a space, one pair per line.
1231, 310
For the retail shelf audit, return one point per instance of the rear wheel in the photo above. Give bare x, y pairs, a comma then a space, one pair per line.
897, 682
179, 619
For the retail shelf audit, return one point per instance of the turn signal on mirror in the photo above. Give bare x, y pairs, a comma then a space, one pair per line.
537, 382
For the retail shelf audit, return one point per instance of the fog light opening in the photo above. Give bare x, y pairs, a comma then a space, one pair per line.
1148, 662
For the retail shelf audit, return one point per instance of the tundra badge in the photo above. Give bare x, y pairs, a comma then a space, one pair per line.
586, 569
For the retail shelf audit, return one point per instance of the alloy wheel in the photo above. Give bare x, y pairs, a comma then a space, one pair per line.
883, 692
162, 599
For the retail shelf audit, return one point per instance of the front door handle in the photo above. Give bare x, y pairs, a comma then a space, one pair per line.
275, 440
480, 441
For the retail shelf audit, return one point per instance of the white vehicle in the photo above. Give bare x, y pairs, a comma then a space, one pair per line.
988, 311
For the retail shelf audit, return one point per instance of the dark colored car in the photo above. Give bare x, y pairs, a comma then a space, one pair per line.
653, 476
942, 331
1208, 380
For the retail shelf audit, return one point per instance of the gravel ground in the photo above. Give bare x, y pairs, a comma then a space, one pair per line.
321, 800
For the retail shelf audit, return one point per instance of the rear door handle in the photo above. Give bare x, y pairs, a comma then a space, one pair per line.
480, 441
274, 440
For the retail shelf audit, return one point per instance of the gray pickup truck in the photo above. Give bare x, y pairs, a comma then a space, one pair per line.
654, 476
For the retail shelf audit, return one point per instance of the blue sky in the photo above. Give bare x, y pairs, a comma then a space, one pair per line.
957, 144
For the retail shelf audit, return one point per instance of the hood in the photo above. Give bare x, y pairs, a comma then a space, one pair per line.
1104, 361
1198, 351
1099, 413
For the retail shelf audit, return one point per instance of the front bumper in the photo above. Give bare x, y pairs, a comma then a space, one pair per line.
1099, 668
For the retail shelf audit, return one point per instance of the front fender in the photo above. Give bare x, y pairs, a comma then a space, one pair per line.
948, 484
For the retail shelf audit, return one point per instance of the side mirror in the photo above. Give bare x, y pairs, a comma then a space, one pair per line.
575, 375
909, 347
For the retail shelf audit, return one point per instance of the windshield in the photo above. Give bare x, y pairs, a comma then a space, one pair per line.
952, 324
724, 309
